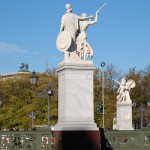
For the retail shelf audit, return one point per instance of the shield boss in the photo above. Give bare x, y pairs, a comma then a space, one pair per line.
63, 41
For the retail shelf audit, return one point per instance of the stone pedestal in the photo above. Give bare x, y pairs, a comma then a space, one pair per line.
124, 116
75, 97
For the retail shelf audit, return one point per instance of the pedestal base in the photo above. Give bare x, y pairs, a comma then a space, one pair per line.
76, 126
77, 140
75, 97
124, 116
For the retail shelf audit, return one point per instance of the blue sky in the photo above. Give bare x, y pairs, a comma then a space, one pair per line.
29, 28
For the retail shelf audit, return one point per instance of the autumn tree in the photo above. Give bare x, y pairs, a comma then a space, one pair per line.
111, 73
19, 99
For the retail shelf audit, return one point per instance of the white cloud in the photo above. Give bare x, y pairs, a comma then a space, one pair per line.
9, 47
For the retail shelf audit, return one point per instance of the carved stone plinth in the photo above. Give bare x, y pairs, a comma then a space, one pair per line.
124, 116
75, 97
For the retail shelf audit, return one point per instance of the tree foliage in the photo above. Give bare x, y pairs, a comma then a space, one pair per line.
19, 97
140, 94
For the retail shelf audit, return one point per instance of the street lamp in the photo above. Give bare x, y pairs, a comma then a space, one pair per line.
33, 78
103, 88
49, 92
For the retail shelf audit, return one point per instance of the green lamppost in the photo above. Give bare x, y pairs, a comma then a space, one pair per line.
103, 89
49, 92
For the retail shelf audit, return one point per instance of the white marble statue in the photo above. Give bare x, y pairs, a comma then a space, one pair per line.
84, 49
72, 36
69, 30
124, 90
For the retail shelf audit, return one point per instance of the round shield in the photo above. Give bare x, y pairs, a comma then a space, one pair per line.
63, 41
131, 83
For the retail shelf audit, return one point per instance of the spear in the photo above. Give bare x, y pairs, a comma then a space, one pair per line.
101, 8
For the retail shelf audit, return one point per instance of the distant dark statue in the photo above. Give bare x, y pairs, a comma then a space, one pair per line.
24, 67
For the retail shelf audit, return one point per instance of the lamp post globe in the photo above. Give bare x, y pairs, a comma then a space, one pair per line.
33, 78
50, 89
102, 64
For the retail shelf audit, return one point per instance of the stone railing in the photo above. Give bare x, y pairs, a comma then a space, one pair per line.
26, 140
129, 140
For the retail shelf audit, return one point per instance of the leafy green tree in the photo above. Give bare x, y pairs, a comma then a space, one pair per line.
19, 99
140, 94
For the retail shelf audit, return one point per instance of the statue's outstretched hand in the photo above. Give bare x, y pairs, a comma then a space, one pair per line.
91, 16
97, 12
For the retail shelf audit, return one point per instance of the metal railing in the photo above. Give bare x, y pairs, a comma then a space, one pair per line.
26, 140
129, 140
41, 140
